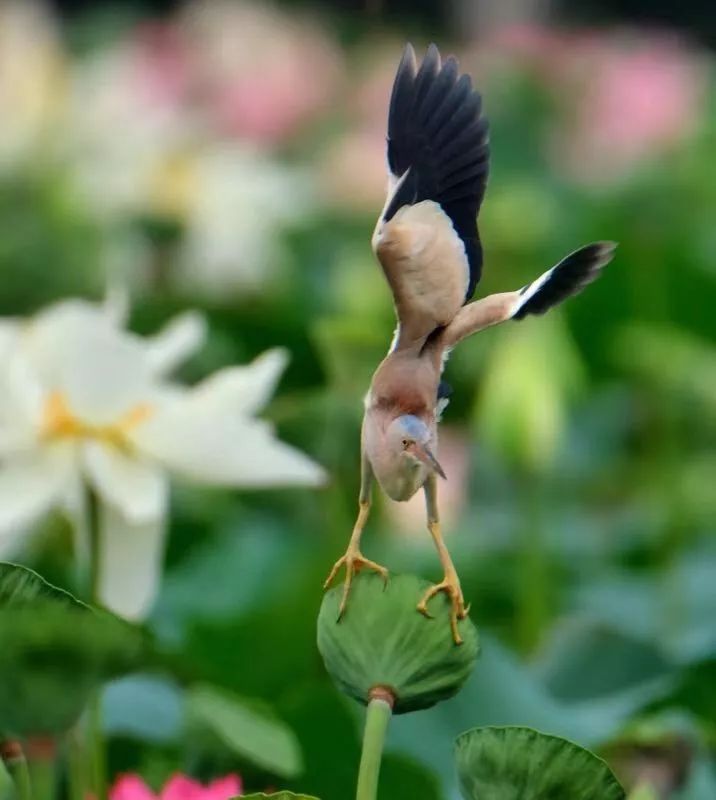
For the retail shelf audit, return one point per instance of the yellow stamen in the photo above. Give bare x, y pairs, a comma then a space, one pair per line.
59, 423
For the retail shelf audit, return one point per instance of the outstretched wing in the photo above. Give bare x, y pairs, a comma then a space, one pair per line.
438, 159
564, 280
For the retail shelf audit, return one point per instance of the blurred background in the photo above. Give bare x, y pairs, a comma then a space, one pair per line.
229, 156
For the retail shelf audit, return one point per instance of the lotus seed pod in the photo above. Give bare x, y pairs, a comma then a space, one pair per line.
383, 643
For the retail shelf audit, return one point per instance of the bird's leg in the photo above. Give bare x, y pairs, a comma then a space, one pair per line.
353, 559
450, 583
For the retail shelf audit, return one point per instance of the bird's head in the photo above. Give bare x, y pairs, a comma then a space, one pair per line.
410, 436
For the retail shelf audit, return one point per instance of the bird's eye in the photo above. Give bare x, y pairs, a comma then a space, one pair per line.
405, 442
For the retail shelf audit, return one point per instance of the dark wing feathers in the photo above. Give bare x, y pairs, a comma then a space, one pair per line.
435, 108
571, 275
401, 104
435, 131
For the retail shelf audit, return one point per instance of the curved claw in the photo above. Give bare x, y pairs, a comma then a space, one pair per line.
451, 586
354, 562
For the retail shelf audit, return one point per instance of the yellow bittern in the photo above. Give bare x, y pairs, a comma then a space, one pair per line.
427, 242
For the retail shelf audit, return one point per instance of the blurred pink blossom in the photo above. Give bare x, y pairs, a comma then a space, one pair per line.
622, 96
160, 63
635, 97
353, 172
538, 48
178, 787
260, 72
367, 100
353, 169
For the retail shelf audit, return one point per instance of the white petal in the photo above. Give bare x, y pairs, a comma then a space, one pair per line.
273, 462
9, 334
30, 486
244, 389
21, 403
102, 370
11, 541
224, 449
137, 487
131, 558
176, 342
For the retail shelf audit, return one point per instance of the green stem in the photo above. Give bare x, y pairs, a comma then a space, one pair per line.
377, 717
93, 525
98, 745
533, 579
42, 758
94, 722
16, 764
42, 775
78, 785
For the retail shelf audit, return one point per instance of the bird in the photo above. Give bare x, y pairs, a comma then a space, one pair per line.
427, 242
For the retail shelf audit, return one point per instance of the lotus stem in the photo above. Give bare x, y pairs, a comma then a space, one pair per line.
78, 784
378, 714
42, 758
12, 754
94, 732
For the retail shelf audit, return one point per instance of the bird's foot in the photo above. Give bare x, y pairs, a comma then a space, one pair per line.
354, 562
450, 584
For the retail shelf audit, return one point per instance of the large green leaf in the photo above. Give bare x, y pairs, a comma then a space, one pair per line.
20, 587
514, 763
584, 659
54, 651
247, 728
502, 691
277, 796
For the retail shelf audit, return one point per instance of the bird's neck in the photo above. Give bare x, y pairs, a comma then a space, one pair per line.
405, 383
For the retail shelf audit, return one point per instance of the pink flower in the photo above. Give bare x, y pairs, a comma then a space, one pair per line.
352, 172
160, 63
259, 72
537, 48
635, 98
178, 787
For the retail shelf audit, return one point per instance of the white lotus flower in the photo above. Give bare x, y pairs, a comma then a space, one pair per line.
242, 199
32, 73
85, 403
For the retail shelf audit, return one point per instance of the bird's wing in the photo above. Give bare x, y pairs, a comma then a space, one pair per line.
565, 279
426, 238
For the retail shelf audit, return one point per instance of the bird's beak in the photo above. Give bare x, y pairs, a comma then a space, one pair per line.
423, 453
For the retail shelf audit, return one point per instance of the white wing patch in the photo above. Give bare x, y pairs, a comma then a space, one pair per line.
530, 291
394, 340
443, 403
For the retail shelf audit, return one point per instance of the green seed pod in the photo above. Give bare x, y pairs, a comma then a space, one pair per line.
382, 643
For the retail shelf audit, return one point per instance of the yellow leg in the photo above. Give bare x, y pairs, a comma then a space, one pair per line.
353, 559
450, 583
